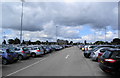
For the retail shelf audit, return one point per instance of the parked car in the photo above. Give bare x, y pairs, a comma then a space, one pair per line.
23, 52
110, 61
46, 49
95, 55
80, 46
100, 46
57, 47
84, 48
1, 57
8, 56
90, 47
36, 51
101, 53
117, 46
51, 48
88, 53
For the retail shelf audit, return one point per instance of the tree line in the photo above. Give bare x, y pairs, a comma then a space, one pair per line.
115, 41
17, 41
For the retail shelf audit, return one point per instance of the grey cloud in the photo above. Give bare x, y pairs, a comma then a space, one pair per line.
36, 15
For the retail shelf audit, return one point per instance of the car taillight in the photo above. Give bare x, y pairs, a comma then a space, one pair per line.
110, 60
100, 54
23, 51
38, 50
10, 55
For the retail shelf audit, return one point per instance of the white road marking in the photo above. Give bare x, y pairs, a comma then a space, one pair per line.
25, 67
38, 58
67, 56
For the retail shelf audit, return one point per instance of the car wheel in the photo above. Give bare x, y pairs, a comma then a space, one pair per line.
4, 62
85, 55
96, 59
20, 57
33, 55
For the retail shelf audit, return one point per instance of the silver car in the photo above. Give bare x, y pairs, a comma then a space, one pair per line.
94, 55
23, 52
36, 51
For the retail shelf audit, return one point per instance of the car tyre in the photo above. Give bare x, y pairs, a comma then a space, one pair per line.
33, 55
20, 57
4, 61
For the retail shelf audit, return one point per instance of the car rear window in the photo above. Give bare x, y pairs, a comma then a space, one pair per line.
25, 49
106, 54
115, 54
35, 48
1, 52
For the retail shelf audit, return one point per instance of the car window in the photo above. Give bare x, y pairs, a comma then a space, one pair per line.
92, 46
40, 48
25, 49
103, 50
116, 54
106, 54
35, 48
7, 50
1, 52
29, 48
11, 50
17, 49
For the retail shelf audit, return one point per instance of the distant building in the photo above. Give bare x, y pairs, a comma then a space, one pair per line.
62, 41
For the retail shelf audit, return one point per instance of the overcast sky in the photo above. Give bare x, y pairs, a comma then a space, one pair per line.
76, 21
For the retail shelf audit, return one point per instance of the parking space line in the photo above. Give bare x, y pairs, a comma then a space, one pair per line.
25, 67
67, 56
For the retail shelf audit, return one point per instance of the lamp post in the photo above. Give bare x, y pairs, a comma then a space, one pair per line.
105, 34
56, 34
21, 23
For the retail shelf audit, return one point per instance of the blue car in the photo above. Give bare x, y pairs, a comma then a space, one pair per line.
8, 56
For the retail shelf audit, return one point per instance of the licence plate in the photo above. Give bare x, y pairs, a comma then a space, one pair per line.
15, 58
101, 61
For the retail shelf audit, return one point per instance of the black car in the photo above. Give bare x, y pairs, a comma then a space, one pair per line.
110, 61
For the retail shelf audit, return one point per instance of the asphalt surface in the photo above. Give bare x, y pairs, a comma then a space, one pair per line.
66, 62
